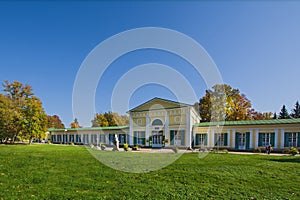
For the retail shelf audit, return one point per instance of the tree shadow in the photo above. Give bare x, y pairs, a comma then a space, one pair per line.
292, 159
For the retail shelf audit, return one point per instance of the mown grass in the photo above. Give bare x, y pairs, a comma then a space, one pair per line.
71, 172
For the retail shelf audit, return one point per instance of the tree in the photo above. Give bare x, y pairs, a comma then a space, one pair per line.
54, 122
284, 113
99, 120
75, 124
224, 103
296, 111
261, 116
275, 115
22, 113
110, 119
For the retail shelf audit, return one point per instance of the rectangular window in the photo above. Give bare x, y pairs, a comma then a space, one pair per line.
94, 139
78, 138
139, 138
71, 138
58, 138
85, 139
266, 139
221, 139
201, 139
102, 139
177, 137
122, 138
53, 138
292, 139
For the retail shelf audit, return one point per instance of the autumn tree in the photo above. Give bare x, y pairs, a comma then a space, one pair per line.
284, 113
223, 102
110, 119
296, 111
22, 113
75, 124
99, 120
54, 122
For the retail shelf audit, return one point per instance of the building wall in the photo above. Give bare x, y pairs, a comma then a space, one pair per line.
255, 131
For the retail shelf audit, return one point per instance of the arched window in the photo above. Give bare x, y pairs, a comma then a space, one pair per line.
157, 122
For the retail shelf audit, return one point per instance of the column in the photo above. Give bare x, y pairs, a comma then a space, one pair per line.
212, 138
167, 129
188, 129
282, 139
275, 145
130, 135
256, 137
97, 139
147, 128
233, 138
250, 139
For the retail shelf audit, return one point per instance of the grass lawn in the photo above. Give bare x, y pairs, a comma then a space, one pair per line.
71, 172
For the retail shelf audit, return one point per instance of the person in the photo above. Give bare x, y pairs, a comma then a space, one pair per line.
269, 148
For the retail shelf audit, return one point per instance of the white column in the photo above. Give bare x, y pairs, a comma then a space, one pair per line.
233, 138
282, 139
167, 129
147, 128
275, 145
97, 139
208, 138
188, 129
130, 135
82, 138
228, 138
212, 138
250, 139
256, 137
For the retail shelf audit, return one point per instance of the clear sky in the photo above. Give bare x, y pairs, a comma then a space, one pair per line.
255, 45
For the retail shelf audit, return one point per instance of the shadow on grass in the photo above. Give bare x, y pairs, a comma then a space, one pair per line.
286, 160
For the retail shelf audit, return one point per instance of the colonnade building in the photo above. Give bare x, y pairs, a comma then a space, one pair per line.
161, 123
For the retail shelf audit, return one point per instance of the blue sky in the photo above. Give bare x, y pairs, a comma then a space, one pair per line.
255, 45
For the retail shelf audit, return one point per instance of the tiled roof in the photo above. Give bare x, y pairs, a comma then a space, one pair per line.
250, 122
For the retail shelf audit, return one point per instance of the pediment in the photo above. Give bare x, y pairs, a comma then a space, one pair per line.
158, 104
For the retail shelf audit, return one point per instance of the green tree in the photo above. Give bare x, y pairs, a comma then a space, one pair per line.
25, 116
275, 115
54, 122
296, 111
284, 113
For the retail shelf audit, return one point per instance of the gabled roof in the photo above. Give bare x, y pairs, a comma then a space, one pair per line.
88, 128
251, 122
168, 104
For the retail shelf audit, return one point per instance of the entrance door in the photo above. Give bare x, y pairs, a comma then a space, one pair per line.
157, 139
242, 141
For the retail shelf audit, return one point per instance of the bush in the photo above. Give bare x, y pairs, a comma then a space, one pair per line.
176, 149
257, 150
125, 147
293, 151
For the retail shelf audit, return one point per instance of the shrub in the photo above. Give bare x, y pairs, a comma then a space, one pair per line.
176, 149
125, 147
102, 146
257, 150
293, 151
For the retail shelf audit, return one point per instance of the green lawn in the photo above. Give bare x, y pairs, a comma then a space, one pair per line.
71, 172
